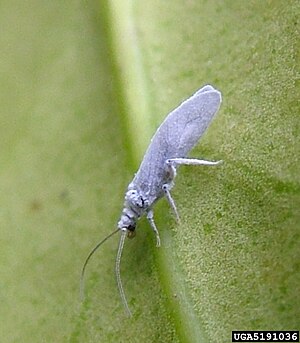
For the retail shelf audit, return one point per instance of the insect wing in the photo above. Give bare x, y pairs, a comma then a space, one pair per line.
176, 136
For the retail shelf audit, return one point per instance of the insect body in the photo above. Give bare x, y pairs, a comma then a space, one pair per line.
176, 136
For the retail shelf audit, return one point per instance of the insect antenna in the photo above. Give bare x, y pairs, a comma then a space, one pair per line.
118, 274
87, 261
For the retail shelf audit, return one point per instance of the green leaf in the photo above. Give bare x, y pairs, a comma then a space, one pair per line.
83, 87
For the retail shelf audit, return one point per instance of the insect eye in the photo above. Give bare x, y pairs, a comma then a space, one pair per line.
131, 231
131, 228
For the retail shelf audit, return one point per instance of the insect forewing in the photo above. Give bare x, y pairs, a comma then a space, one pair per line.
176, 136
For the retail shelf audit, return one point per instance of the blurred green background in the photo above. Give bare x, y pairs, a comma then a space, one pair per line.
83, 86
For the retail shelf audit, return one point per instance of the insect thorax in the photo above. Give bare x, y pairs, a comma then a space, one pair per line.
135, 205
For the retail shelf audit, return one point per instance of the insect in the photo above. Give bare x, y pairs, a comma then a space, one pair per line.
168, 149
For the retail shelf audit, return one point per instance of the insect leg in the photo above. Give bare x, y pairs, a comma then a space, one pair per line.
192, 161
170, 200
153, 226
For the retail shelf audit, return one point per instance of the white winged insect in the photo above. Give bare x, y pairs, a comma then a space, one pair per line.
168, 149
